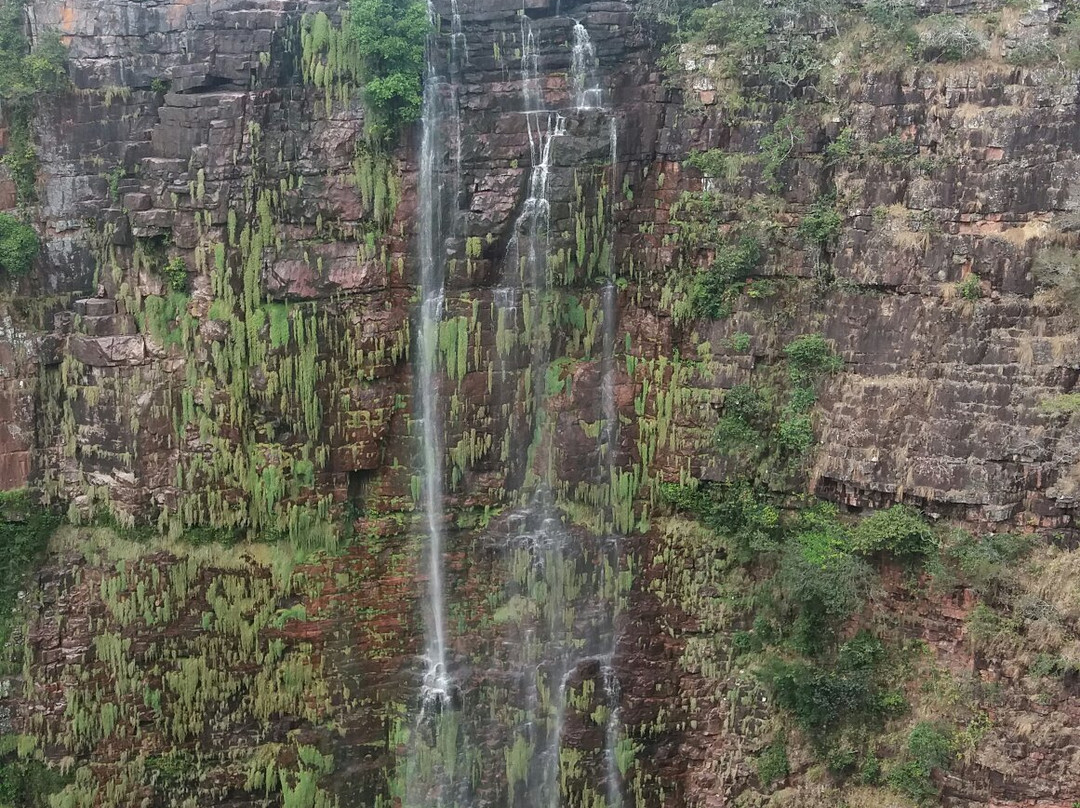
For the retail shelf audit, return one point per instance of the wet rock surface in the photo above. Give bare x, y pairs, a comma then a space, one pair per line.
184, 117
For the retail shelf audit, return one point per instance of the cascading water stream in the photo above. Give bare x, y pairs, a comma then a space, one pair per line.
587, 93
439, 115
609, 451
431, 305
563, 648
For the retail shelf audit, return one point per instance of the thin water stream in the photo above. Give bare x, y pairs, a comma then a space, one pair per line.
570, 639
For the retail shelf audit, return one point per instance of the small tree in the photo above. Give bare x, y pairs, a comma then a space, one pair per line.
19, 245
390, 37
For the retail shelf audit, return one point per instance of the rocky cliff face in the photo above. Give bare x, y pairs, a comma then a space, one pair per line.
218, 341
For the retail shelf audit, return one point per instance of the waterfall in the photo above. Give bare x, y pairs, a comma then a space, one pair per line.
587, 93
609, 451
440, 122
431, 305
557, 653
458, 44
612, 728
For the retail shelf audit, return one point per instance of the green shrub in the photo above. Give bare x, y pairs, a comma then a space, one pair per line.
736, 27
25, 528
985, 627
1058, 269
740, 342
26, 73
899, 530
177, 274
970, 288
842, 148
734, 510
928, 748
744, 402
1030, 54
710, 295
821, 586
772, 764
390, 37
895, 17
840, 760
821, 225
795, 433
809, 356
895, 149
19, 246
1070, 35
25, 76
711, 163
801, 399
985, 563
777, 146
1063, 404
824, 698
870, 771
25, 783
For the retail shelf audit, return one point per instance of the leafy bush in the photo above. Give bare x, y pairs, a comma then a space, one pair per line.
894, 149
795, 433
1070, 34
25, 76
390, 37
777, 146
177, 274
1064, 404
895, 16
928, 748
899, 530
712, 289
809, 356
739, 27
1029, 54
734, 510
821, 586
843, 147
985, 562
19, 246
744, 402
985, 627
26, 73
821, 225
24, 783
949, 39
970, 288
824, 698
740, 342
772, 764
711, 163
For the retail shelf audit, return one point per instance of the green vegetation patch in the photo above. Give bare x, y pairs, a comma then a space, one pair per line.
19, 246
390, 37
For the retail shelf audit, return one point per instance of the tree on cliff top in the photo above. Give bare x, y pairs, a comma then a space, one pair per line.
25, 73
390, 37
